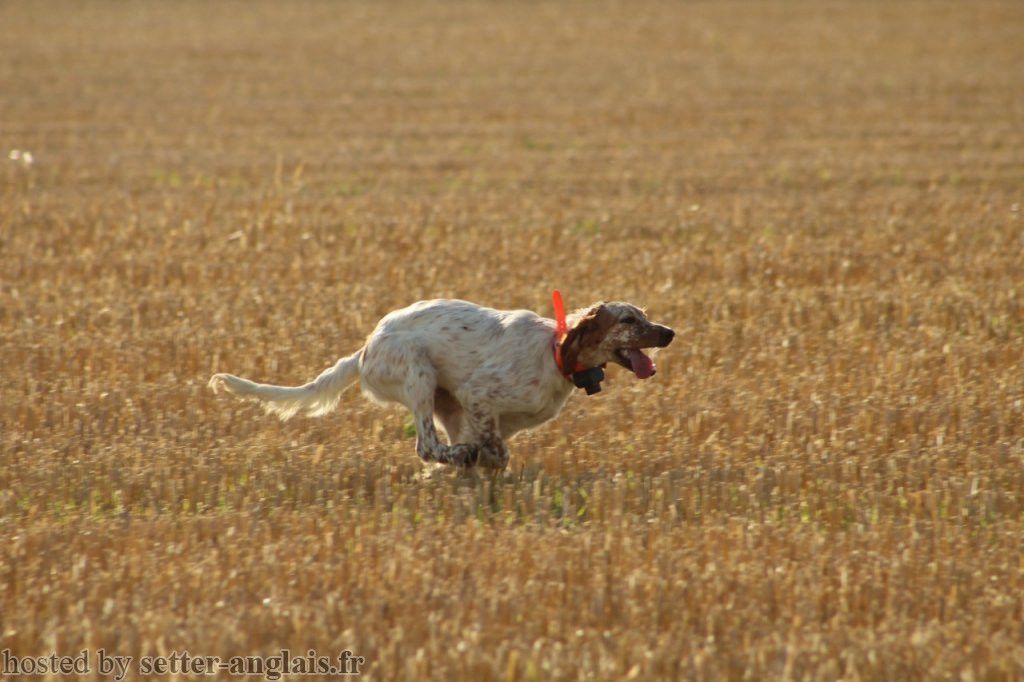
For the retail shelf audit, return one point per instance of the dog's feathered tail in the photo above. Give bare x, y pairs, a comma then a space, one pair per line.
318, 397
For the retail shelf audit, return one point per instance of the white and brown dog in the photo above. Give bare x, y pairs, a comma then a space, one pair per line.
482, 374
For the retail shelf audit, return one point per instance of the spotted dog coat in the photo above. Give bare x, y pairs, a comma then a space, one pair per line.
480, 374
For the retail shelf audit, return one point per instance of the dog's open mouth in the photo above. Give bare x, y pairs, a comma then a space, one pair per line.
636, 362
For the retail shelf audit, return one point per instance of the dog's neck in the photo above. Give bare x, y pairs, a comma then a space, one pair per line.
588, 378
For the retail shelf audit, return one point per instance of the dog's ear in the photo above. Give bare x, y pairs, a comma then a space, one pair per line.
588, 331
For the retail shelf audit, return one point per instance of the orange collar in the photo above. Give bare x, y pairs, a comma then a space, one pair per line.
561, 329
588, 378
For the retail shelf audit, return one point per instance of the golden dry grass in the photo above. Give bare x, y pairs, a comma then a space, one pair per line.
825, 480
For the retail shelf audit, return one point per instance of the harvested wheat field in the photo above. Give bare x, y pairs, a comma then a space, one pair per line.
825, 480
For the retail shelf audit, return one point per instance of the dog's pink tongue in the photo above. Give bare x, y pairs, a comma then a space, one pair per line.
643, 367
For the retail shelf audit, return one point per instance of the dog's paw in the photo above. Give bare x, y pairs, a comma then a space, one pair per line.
464, 455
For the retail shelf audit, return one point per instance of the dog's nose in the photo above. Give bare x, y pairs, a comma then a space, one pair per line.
666, 336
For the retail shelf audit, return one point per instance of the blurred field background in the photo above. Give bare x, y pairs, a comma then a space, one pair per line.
825, 479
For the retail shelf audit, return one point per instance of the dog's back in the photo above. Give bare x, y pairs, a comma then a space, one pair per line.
457, 338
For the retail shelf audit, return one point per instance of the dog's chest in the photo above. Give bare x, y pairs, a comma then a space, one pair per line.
513, 421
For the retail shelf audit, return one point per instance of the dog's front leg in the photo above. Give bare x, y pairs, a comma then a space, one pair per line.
492, 452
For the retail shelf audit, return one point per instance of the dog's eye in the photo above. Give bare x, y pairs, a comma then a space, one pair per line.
629, 319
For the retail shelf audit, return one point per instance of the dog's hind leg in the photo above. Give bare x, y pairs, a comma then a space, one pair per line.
430, 448
396, 370
419, 389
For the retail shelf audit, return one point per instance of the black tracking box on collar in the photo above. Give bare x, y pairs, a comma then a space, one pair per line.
589, 379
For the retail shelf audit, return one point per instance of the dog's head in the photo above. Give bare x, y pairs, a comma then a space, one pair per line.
613, 332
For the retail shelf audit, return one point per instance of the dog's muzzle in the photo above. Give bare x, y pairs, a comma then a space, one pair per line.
665, 335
